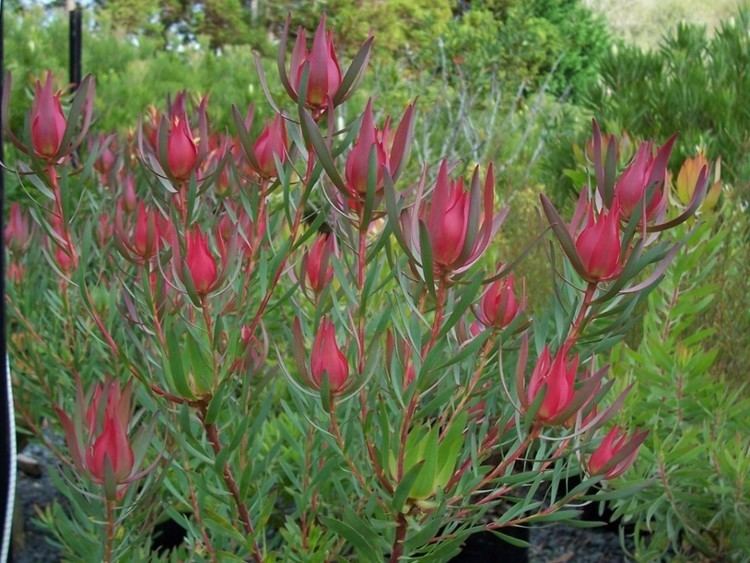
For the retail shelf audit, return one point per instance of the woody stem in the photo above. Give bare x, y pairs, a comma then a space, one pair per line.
213, 437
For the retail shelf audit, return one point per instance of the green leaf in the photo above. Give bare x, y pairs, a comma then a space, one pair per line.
356, 533
405, 486
313, 137
174, 360
424, 486
449, 449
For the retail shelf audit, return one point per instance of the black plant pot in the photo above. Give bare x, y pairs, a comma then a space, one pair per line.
485, 547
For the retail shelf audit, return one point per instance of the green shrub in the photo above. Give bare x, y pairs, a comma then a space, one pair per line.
693, 84
696, 455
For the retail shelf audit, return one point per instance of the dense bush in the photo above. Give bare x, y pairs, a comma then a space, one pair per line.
696, 455
693, 84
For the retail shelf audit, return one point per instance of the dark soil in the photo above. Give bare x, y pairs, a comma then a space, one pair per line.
34, 491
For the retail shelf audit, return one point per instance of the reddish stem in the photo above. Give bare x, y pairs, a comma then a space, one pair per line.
398, 540
581, 319
213, 437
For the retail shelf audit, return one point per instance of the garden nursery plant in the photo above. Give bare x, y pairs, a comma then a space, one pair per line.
291, 339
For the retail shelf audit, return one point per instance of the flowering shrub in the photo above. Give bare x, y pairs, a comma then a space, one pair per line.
290, 341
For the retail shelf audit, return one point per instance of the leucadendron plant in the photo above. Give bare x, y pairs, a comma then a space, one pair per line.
290, 340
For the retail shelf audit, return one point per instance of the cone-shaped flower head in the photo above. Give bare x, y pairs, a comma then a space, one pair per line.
599, 246
47, 120
324, 75
107, 158
646, 171
107, 426
145, 235
327, 358
448, 218
182, 152
271, 142
200, 262
499, 305
17, 232
631, 185
358, 162
615, 453
318, 269
558, 378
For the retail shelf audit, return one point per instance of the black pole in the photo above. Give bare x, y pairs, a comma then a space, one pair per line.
75, 42
7, 417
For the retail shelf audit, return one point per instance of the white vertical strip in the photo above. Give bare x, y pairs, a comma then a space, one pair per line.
10, 467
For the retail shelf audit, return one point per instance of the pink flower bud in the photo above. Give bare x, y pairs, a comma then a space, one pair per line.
327, 358
558, 378
182, 152
66, 261
112, 446
317, 266
324, 76
645, 172
200, 262
448, 218
107, 156
47, 120
358, 162
615, 453
632, 182
145, 236
16, 272
271, 141
499, 306
599, 247
18, 230
129, 198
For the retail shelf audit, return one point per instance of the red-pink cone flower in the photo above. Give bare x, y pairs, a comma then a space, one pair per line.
47, 120
557, 377
646, 171
599, 245
358, 162
111, 447
324, 73
182, 152
448, 219
632, 182
137, 237
97, 435
15, 272
107, 158
616, 453
317, 269
499, 305
327, 358
17, 232
460, 223
66, 261
200, 262
271, 142
128, 197
145, 235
